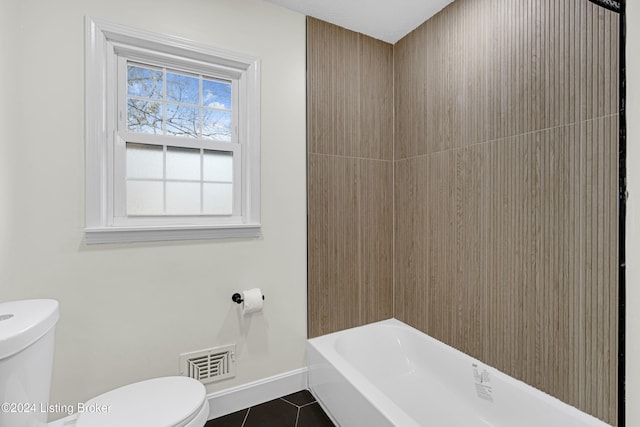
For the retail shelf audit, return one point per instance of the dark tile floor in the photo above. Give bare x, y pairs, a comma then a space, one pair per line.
295, 410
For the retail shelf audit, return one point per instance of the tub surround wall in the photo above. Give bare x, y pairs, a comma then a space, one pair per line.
633, 215
350, 178
505, 190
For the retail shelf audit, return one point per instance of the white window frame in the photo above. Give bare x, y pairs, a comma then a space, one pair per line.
106, 46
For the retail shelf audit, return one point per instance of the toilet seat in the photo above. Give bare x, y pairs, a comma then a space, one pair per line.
159, 402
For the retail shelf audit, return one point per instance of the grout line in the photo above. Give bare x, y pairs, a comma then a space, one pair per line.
359, 186
245, 417
290, 403
350, 157
393, 184
296, 405
608, 116
297, 418
307, 404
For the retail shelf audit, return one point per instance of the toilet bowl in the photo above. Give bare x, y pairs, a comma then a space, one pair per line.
26, 360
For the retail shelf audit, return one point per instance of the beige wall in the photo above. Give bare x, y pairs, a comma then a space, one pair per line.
633, 215
127, 311
8, 76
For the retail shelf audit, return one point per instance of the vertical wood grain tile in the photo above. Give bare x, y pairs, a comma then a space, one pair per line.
611, 308
547, 296
412, 191
376, 239
350, 220
431, 41
585, 74
614, 65
333, 215
332, 89
376, 99
572, 20
409, 88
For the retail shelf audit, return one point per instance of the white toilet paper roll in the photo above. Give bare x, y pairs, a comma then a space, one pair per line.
252, 301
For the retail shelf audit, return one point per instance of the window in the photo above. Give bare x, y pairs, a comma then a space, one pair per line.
177, 143
172, 138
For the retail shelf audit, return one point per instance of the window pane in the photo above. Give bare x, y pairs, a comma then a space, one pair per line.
181, 88
216, 125
218, 166
183, 121
144, 82
144, 116
144, 161
183, 163
144, 198
216, 94
183, 198
217, 199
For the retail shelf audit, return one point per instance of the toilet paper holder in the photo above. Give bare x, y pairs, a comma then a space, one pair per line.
237, 298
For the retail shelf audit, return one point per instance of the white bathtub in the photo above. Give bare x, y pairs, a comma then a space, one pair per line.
390, 374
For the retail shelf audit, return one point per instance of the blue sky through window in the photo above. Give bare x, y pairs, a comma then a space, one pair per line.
167, 102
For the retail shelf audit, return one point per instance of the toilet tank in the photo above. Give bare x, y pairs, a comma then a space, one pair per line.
26, 361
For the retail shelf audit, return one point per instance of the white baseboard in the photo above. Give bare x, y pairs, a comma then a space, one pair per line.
254, 393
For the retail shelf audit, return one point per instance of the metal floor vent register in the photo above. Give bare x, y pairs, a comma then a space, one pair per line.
210, 365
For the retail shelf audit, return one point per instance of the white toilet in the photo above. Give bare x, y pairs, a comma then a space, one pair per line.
26, 361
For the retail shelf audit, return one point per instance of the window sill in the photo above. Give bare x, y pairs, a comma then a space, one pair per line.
157, 234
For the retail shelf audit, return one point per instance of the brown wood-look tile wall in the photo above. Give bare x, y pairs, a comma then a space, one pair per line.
482, 70
350, 178
490, 134
505, 190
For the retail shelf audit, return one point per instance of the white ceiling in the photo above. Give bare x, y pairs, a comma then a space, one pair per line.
387, 20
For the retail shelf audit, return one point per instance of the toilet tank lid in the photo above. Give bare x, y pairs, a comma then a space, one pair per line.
24, 322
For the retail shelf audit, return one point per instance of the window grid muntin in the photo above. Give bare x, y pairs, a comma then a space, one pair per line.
165, 102
164, 180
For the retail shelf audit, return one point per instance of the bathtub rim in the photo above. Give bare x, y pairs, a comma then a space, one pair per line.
325, 346
374, 397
